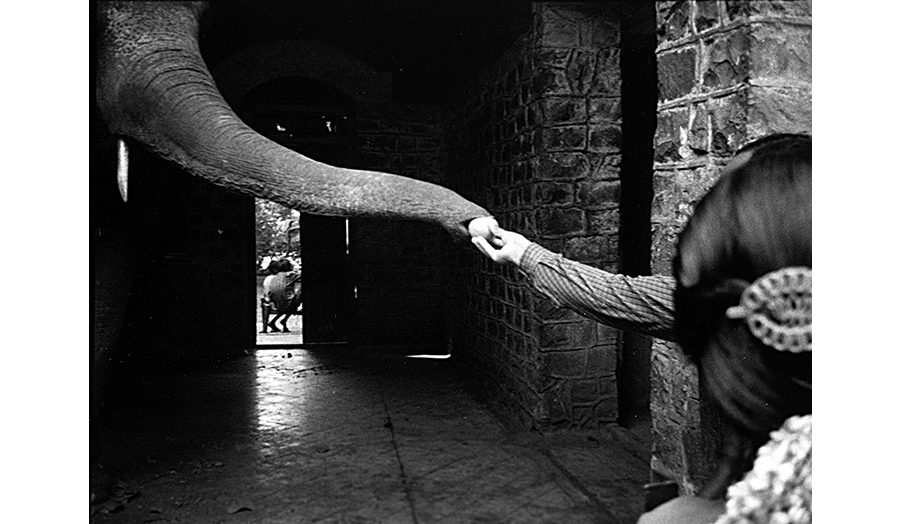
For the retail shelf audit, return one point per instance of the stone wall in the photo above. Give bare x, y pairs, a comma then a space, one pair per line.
536, 139
729, 72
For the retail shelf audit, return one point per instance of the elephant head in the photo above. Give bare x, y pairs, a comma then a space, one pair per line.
154, 87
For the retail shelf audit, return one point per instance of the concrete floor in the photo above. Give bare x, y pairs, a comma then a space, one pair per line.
294, 436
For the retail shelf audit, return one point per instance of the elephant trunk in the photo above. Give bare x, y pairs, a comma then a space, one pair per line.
154, 87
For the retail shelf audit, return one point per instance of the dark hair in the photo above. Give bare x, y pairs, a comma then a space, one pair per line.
756, 219
279, 265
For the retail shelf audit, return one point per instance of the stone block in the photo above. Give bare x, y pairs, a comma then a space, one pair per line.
556, 29
603, 360
556, 406
707, 15
662, 247
592, 193
564, 336
726, 59
674, 19
742, 9
563, 110
606, 409
585, 391
551, 78
555, 193
562, 165
607, 385
612, 249
565, 138
603, 138
671, 125
728, 123
564, 364
601, 28
604, 109
580, 71
701, 445
606, 78
781, 56
698, 138
521, 121
603, 221
526, 195
550, 81
778, 110
528, 144
607, 166
676, 192
584, 249
677, 71
582, 416
525, 93
554, 221
546, 310
683, 425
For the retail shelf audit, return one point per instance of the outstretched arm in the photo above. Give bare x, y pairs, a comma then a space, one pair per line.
640, 304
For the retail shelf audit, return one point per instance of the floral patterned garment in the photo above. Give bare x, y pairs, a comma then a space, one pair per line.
779, 488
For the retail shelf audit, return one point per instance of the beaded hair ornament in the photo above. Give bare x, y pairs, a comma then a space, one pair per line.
777, 308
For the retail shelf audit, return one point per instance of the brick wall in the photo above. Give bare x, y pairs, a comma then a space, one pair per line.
729, 72
400, 279
536, 139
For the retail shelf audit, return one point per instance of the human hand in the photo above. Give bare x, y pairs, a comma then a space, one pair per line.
512, 246
485, 227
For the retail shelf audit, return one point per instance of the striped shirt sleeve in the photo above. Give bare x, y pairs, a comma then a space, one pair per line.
641, 304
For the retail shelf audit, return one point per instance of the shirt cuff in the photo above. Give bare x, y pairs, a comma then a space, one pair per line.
534, 254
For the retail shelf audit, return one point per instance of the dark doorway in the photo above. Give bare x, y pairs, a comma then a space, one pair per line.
639, 98
315, 120
327, 287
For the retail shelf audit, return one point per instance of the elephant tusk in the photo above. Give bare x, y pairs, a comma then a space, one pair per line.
122, 174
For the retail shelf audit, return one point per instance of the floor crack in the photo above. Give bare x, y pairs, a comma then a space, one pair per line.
407, 489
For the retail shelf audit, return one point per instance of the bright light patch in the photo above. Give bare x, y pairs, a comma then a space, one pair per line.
435, 357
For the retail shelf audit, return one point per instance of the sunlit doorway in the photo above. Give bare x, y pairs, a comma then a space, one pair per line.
278, 249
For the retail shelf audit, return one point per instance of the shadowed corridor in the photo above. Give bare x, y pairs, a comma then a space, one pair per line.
295, 435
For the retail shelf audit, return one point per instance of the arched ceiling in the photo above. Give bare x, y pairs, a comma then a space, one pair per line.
429, 47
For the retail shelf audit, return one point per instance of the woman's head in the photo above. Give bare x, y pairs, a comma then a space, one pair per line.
756, 220
279, 265
286, 265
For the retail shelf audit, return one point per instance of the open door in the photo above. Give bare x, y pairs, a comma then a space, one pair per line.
327, 284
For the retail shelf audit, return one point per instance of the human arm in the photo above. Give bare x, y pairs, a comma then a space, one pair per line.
641, 304
685, 510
